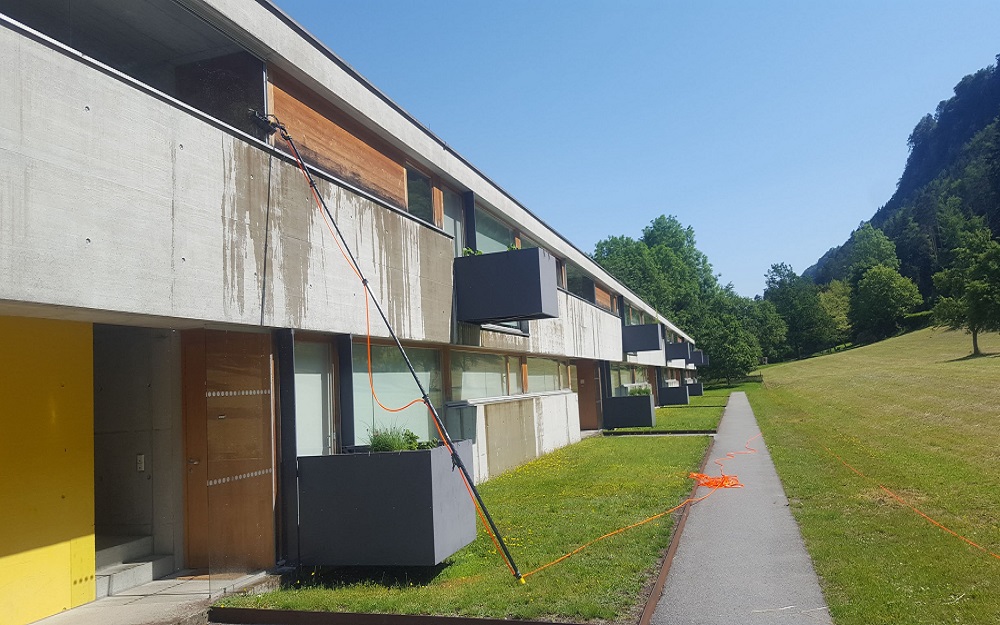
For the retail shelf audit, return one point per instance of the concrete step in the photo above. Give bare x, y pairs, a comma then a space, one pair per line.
117, 549
117, 578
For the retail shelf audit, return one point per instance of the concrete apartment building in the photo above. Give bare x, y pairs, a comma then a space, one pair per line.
178, 327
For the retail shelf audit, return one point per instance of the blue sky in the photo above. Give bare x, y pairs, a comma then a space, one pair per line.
772, 128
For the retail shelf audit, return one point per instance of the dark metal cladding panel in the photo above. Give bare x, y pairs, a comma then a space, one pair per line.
644, 338
678, 350
636, 411
696, 389
406, 508
674, 395
517, 285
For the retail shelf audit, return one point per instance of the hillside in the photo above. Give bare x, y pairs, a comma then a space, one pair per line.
953, 169
916, 415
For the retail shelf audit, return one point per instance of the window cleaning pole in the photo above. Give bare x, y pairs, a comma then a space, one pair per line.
271, 125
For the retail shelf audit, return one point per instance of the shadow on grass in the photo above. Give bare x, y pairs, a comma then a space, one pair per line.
695, 406
387, 576
975, 357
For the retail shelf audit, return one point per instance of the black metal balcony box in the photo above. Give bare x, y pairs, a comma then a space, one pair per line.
516, 285
404, 508
634, 411
698, 358
696, 389
678, 350
673, 395
644, 338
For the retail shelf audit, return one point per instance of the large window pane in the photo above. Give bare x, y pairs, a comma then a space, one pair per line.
314, 433
454, 219
395, 388
543, 375
418, 195
475, 376
491, 235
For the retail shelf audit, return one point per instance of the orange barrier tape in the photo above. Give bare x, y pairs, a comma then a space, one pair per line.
915, 509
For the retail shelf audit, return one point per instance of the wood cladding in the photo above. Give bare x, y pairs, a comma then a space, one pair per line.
330, 139
228, 416
602, 298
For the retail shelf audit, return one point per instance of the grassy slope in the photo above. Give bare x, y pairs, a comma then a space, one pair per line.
914, 414
545, 509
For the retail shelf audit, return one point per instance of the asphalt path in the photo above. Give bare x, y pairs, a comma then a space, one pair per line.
741, 558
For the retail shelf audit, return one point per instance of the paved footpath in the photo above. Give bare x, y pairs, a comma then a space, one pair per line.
741, 558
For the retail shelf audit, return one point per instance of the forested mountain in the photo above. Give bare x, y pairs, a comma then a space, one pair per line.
952, 174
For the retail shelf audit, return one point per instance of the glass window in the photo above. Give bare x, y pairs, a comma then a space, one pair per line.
454, 219
478, 376
492, 235
574, 384
314, 429
395, 388
640, 375
543, 375
578, 283
418, 195
620, 377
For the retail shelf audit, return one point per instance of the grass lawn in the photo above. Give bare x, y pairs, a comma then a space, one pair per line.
545, 509
701, 415
918, 416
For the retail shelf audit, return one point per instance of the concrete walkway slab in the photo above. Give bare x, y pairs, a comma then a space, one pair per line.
741, 558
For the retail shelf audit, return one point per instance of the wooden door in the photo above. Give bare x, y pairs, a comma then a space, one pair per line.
228, 426
589, 394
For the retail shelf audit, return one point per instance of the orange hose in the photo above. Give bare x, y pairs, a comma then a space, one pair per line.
915, 509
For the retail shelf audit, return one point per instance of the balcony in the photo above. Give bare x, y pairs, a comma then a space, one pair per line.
695, 389
677, 351
517, 285
643, 338
635, 411
673, 395
698, 358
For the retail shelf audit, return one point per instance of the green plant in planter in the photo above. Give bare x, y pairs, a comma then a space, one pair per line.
468, 251
640, 390
395, 438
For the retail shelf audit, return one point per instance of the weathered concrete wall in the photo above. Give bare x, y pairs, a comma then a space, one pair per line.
137, 410
582, 330
508, 432
113, 199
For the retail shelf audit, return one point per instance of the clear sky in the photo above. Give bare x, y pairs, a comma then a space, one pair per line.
773, 128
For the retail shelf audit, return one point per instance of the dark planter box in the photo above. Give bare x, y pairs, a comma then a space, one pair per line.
408, 508
636, 411
678, 350
674, 395
517, 285
644, 338
696, 389
698, 358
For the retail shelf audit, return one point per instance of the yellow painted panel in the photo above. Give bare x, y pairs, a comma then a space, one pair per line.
46, 467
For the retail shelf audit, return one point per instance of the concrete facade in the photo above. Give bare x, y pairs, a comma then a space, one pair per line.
144, 224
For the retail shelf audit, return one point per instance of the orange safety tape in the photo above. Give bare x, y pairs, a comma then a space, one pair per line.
689, 501
915, 509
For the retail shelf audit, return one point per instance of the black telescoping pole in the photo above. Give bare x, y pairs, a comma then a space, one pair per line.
274, 125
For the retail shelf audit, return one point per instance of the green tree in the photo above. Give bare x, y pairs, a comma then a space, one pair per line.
733, 349
870, 247
879, 301
810, 328
971, 287
633, 263
835, 299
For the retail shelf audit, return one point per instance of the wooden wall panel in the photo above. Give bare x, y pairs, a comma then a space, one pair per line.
602, 298
330, 139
